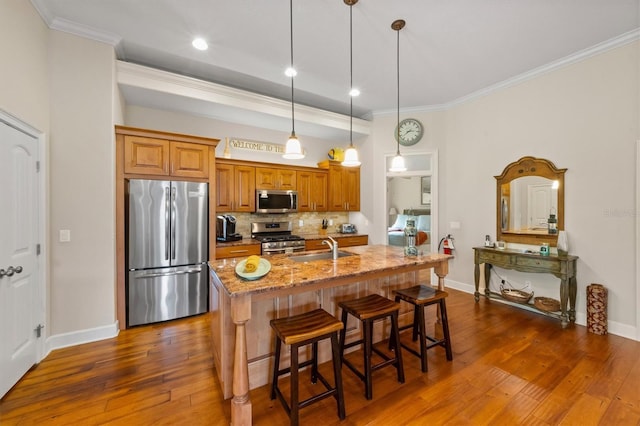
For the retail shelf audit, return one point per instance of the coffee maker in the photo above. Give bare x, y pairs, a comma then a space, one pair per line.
226, 228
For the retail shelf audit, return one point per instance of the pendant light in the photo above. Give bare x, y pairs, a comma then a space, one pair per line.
293, 150
397, 164
351, 154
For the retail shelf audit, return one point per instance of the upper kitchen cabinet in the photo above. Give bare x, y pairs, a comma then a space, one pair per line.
163, 157
344, 186
235, 187
275, 178
312, 191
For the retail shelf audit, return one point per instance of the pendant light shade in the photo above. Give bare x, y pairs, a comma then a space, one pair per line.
397, 164
293, 149
351, 154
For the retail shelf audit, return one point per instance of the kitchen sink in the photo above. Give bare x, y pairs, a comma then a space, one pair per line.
318, 256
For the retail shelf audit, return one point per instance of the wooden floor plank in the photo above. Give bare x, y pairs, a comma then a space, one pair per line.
510, 367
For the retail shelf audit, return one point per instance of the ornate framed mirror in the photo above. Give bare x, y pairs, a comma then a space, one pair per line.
529, 191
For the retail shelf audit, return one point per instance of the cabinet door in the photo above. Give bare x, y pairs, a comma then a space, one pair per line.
305, 202
312, 191
146, 156
266, 178
245, 189
286, 179
189, 160
336, 189
225, 187
272, 178
319, 191
351, 182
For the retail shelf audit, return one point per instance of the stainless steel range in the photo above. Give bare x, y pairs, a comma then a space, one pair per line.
276, 237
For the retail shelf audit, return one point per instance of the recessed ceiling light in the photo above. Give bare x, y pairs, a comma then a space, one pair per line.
290, 72
354, 92
200, 43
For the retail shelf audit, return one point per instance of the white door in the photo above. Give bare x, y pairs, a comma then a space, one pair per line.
20, 306
540, 204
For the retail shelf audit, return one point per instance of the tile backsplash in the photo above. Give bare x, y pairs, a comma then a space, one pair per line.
312, 221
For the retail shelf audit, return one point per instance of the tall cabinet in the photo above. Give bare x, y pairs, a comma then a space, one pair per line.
150, 154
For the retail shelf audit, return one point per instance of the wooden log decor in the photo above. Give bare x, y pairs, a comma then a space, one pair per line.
597, 309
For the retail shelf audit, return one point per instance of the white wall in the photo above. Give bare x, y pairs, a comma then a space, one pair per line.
82, 183
582, 117
24, 86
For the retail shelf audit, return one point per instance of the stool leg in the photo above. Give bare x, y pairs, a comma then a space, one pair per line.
276, 367
337, 375
294, 385
423, 336
396, 333
343, 333
416, 324
314, 364
368, 335
445, 329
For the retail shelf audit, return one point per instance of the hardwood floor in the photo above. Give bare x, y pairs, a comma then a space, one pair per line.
510, 366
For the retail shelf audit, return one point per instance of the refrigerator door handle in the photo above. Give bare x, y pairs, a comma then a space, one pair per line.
169, 274
173, 222
166, 223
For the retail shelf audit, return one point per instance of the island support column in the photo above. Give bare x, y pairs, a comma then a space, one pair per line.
240, 403
441, 270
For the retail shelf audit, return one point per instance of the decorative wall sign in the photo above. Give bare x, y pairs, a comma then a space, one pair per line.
266, 147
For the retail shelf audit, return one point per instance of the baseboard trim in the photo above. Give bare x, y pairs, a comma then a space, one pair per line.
614, 327
79, 337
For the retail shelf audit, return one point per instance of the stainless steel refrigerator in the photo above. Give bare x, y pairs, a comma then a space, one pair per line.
167, 247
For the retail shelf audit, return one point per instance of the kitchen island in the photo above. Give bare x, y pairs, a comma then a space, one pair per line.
242, 309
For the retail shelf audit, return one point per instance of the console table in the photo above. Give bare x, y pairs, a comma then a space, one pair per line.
563, 267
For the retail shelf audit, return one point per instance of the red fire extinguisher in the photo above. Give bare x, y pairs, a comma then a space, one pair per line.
447, 244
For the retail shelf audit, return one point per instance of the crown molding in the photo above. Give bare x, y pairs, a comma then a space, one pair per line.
622, 40
155, 80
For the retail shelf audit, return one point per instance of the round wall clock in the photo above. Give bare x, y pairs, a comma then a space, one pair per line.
410, 132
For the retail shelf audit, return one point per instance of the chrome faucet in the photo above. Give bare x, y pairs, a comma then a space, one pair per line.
332, 246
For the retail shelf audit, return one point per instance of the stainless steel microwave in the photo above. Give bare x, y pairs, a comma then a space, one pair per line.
276, 201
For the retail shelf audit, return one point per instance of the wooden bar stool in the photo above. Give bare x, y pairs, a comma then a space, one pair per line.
301, 330
420, 296
369, 309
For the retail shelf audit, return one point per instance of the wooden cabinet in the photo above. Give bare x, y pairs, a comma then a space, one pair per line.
344, 186
312, 191
235, 187
162, 157
237, 250
343, 241
353, 240
275, 178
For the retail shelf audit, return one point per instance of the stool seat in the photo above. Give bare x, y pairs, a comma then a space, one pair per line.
369, 309
309, 325
421, 296
369, 306
300, 330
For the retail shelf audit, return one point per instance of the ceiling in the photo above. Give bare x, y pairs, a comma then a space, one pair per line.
449, 50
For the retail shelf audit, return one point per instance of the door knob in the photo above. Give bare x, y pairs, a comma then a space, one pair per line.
10, 271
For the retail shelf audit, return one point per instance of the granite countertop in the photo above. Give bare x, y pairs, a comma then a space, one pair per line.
329, 234
286, 273
241, 242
